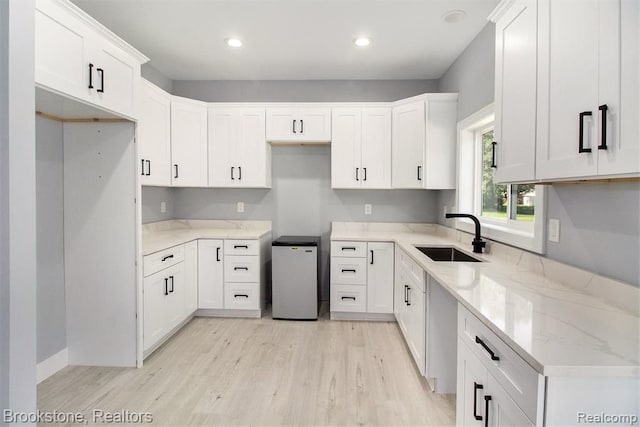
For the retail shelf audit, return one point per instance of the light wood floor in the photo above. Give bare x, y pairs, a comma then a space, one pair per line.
263, 372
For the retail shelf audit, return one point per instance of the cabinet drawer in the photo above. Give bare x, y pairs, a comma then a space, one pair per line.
349, 249
163, 259
348, 271
241, 247
242, 296
243, 269
516, 376
349, 298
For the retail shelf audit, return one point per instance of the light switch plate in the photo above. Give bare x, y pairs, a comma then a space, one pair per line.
163, 207
367, 209
554, 230
240, 207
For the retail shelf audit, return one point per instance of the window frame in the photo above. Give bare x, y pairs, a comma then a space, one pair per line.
520, 234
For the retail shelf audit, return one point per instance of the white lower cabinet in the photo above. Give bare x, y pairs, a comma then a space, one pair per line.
170, 292
362, 278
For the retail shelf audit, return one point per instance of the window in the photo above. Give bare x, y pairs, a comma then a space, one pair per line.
509, 213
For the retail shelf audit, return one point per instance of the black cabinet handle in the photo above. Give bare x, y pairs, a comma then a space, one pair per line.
148, 167
232, 168
348, 248
142, 173
240, 295
351, 298
240, 173
176, 166
603, 127
365, 174
357, 179
240, 246
581, 148
487, 399
476, 387
166, 286
419, 170
405, 293
294, 126
301, 126
167, 257
172, 288
348, 270
408, 295
240, 268
491, 353
218, 254
101, 72
493, 154
371, 256
90, 76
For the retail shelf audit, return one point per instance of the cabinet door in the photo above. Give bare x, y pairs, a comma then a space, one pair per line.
416, 324
156, 292
251, 149
408, 145
568, 86
623, 148
221, 140
499, 409
280, 124
60, 51
315, 124
380, 278
515, 92
440, 144
188, 143
376, 148
210, 274
116, 78
177, 296
471, 389
346, 171
190, 278
154, 136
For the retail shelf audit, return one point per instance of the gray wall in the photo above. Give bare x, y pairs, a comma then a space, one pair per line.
51, 331
302, 90
598, 222
151, 199
301, 201
156, 77
17, 207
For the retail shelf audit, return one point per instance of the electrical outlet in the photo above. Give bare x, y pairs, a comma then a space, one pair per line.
163, 207
367, 209
240, 207
554, 230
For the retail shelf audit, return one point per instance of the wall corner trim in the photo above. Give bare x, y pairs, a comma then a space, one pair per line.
53, 364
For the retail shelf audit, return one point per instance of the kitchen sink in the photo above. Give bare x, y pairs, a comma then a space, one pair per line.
447, 254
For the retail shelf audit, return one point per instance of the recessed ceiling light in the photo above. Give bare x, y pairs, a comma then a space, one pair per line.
233, 42
454, 16
362, 41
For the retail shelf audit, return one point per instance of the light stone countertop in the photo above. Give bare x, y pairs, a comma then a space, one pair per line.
562, 320
157, 236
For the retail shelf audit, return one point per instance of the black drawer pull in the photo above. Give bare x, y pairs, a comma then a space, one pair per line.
405, 293
301, 126
487, 399
348, 270
167, 257
603, 127
581, 148
476, 387
493, 154
166, 286
371, 256
351, 298
294, 126
240, 295
148, 167
218, 254
408, 295
142, 168
419, 174
172, 288
101, 72
491, 353
240, 268
240, 247
176, 167
348, 248
90, 76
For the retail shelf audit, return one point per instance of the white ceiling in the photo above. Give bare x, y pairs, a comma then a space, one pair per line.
294, 39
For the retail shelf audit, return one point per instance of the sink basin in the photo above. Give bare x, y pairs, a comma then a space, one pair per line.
446, 254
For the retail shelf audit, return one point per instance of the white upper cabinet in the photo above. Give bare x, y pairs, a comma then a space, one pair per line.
154, 136
308, 124
587, 102
424, 143
515, 93
188, 143
78, 58
239, 155
361, 148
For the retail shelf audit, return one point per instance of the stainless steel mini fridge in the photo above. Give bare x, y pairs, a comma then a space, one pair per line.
295, 277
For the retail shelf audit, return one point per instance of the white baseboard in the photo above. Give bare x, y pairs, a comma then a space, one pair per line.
53, 364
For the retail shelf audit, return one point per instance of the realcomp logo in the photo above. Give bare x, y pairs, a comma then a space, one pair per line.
602, 418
